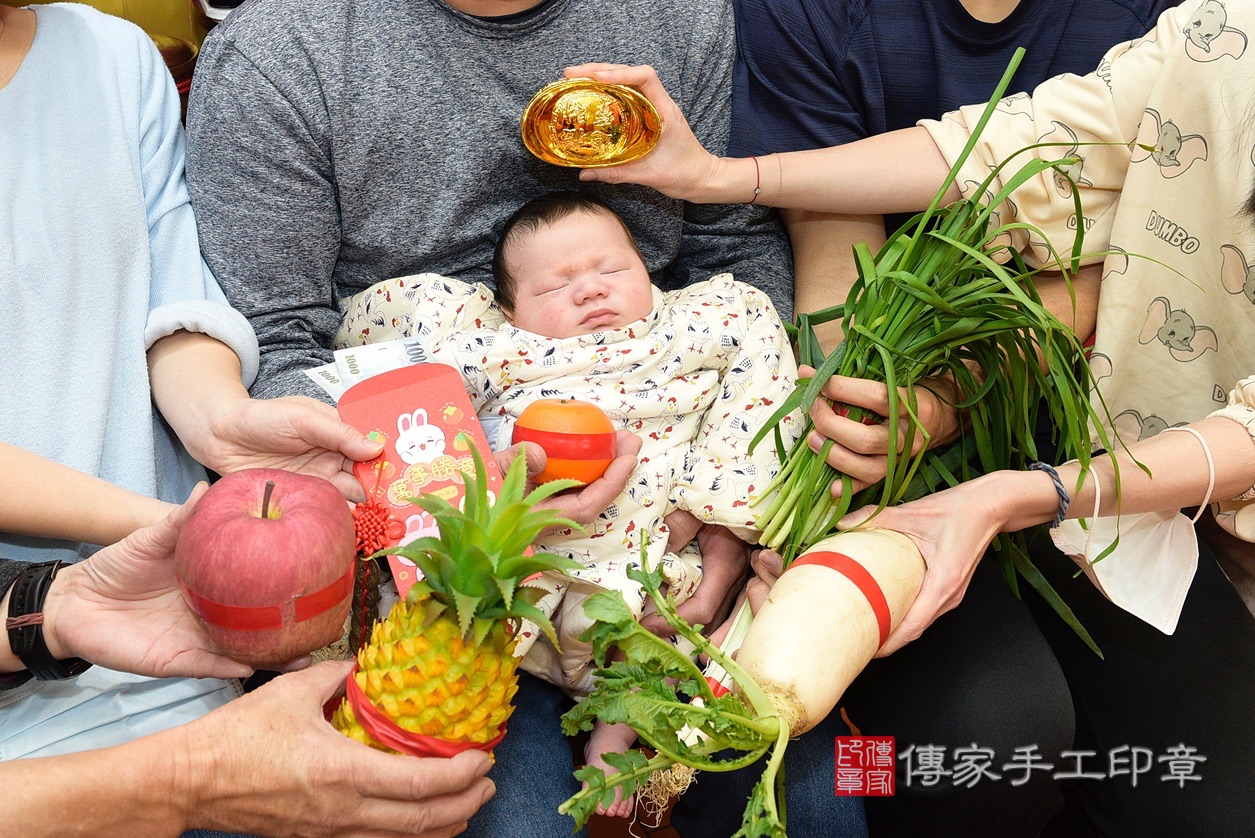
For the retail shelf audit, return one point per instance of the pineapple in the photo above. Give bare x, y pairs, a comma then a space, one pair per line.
442, 663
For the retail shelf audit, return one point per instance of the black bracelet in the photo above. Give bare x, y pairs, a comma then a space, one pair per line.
25, 625
1064, 499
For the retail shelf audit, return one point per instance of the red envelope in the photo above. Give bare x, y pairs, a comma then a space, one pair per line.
420, 410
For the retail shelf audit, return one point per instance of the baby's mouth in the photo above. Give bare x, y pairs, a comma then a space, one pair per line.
600, 317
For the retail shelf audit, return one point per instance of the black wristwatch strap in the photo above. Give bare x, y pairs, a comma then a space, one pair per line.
26, 625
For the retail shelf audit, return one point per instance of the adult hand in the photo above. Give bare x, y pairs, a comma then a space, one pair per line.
678, 166
582, 505
294, 433
122, 608
724, 559
952, 530
270, 764
861, 450
767, 565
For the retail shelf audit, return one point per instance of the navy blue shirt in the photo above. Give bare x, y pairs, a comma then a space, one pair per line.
815, 73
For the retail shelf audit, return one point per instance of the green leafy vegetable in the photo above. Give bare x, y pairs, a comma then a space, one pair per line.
653, 690
944, 298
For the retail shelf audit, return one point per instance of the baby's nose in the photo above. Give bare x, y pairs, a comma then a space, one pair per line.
591, 287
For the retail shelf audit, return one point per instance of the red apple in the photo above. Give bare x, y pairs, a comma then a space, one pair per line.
266, 562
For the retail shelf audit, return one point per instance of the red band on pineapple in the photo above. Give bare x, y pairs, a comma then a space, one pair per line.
266, 617
569, 446
386, 732
862, 579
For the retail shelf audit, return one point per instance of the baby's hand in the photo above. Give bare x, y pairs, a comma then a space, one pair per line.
723, 567
682, 528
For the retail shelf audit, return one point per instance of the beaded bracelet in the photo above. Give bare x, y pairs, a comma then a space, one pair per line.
1064, 499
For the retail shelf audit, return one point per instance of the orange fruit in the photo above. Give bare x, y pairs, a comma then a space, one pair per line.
577, 438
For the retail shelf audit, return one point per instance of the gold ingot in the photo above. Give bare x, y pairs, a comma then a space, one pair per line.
589, 124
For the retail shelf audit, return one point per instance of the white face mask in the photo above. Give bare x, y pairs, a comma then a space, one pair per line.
1150, 570
1148, 573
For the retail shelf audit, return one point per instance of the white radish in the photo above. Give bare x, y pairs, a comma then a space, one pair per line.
826, 617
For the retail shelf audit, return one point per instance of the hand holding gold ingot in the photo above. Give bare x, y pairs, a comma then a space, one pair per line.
589, 124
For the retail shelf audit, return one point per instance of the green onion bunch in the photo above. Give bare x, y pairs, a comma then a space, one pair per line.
942, 299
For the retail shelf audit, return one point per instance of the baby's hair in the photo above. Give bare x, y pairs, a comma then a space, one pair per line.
545, 210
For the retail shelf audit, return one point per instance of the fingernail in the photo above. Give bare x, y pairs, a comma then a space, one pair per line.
484, 768
815, 441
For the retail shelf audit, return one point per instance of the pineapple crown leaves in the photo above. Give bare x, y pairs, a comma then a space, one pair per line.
479, 560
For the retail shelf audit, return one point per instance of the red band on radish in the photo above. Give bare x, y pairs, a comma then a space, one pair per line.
862, 579
569, 446
715, 687
386, 732
267, 617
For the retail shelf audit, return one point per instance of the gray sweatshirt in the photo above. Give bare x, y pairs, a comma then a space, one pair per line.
333, 145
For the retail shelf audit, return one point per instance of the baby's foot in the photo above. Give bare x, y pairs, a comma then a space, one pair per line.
611, 739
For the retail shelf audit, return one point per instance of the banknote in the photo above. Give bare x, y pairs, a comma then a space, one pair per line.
359, 363
327, 378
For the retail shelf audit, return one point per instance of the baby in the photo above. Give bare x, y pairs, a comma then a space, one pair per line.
695, 373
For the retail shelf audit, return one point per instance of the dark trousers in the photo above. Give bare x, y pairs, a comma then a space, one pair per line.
1195, 688
981, 677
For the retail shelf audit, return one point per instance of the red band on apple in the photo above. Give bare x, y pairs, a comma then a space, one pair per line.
569, 446
862, 579
386, 732
266, 617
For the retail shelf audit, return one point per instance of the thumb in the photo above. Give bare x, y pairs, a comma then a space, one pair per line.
604, 175
158, 540
200, 663
856, 518
536, 459
318, 684
319, 426
334, 435
912, 626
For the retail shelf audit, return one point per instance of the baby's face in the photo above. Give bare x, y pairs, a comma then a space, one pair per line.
578, 276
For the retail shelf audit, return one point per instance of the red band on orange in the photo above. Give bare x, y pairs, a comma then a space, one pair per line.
862, 579
386, 732
569, 446
267, 617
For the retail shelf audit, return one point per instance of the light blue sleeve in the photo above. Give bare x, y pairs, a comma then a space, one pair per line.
184, 293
